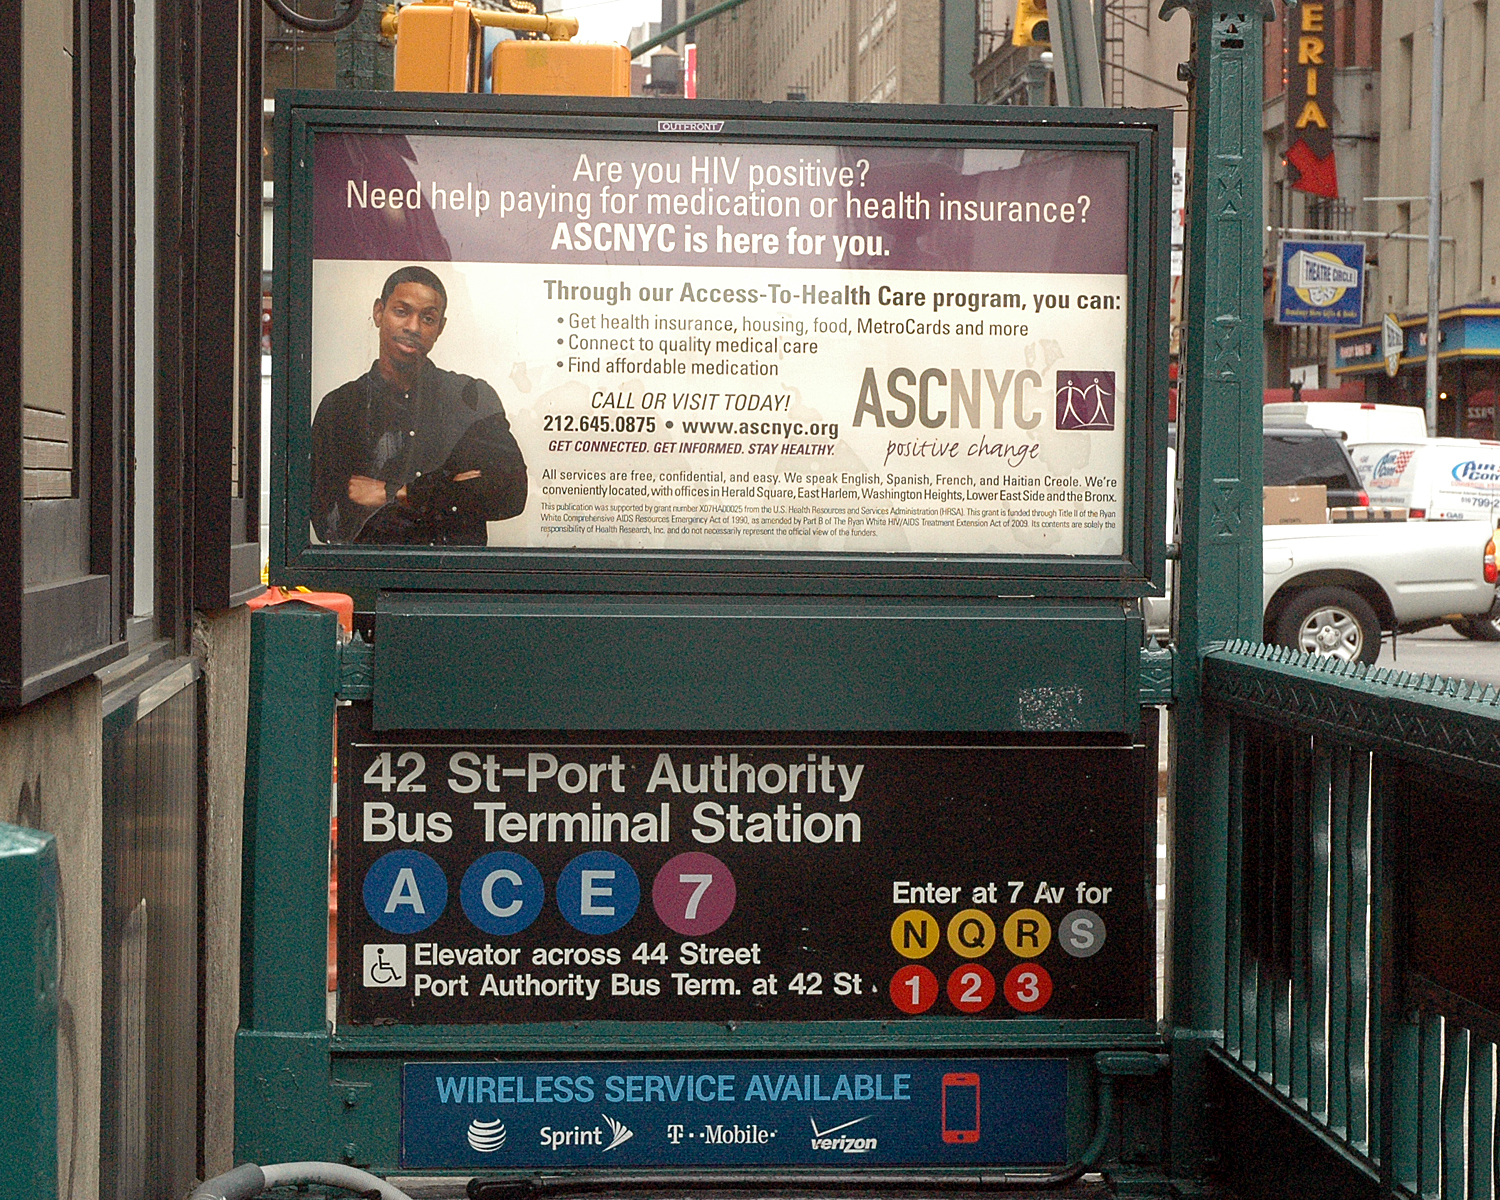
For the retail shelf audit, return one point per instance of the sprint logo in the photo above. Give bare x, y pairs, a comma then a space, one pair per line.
823, 1139
620, 1133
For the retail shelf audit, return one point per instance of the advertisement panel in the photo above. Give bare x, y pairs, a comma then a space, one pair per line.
513, 1115
751, 879
700, 344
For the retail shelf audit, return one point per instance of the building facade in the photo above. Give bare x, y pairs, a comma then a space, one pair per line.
864, 51
1469, 350
129, 495
1350, 32
1138, 58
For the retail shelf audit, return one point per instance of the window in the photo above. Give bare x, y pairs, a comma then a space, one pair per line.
1404, 81
1479, 47
1475, 238
1307, 462
61, 383
1402, 256
143, 444
129, 402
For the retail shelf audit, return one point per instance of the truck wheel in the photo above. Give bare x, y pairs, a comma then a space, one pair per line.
1330, 620
1484, 628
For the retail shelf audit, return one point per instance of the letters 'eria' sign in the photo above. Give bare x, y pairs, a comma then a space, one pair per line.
708, 343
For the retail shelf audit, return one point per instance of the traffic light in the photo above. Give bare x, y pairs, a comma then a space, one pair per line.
536, 68
1031, 24
440, 48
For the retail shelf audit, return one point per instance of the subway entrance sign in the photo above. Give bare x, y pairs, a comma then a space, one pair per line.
747, 516
741, 881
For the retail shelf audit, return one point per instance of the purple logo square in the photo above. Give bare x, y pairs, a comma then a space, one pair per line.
1085, 400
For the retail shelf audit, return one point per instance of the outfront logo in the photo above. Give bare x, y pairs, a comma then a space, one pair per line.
1085, 400
487, 1136
824, 1139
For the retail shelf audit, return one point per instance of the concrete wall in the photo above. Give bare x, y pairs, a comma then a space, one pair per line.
222, 642
1141, 69
50, 779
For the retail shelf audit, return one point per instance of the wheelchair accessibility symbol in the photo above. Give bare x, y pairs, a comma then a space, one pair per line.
385, 965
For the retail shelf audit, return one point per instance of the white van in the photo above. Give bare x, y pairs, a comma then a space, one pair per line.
1435, 479
1357, 422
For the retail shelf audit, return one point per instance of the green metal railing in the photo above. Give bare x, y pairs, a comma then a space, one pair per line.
1360, 973
28, 1013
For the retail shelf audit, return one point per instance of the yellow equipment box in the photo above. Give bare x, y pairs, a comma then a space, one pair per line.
535, 68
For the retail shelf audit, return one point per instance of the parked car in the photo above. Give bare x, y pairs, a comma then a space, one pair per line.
1302, 456
1437, 479
1332, 589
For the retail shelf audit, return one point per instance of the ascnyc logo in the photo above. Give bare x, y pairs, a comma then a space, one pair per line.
823, 1139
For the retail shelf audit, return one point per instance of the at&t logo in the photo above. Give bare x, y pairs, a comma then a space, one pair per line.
486, 1136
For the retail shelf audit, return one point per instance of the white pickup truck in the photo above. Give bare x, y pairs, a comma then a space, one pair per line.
1331, 589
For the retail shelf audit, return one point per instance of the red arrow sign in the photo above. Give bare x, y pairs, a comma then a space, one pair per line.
1316, 175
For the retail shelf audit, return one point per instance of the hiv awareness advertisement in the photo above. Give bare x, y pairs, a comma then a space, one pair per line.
575, 343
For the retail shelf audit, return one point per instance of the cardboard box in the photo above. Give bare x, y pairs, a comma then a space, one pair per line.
1295, 505
1374, 513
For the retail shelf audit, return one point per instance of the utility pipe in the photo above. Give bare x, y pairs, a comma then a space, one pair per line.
1434, 216
666, 35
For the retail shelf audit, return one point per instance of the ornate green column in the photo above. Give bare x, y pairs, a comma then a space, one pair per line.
1218, 592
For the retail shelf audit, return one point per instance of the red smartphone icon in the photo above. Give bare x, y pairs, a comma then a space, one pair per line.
960, 1107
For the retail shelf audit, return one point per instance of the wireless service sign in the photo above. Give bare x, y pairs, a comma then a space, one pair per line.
718, 345
740, 1112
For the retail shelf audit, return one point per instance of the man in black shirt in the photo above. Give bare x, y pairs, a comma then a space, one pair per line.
410, 454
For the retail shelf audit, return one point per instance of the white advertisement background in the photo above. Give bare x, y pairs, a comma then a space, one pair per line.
502, 328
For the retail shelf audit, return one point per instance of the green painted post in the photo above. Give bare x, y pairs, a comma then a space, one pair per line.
281, 1085
959, 20
28, 1013
1218, 594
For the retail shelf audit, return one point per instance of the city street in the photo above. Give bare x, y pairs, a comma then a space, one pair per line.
1442, 652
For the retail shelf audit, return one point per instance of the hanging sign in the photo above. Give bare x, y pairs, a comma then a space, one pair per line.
1309, 111
1392, 343
1321, 283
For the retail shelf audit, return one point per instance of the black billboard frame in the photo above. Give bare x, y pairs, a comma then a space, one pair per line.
1145, 136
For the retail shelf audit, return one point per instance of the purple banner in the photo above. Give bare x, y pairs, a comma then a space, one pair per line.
563, 201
